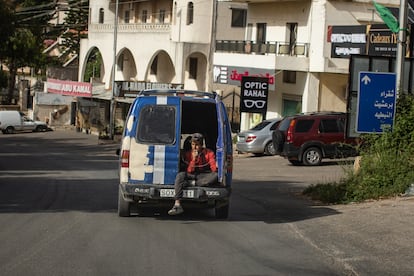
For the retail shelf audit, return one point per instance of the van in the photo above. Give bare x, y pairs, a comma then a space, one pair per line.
12, 121
157, 124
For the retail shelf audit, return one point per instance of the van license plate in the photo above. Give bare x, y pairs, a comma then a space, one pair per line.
188, 193
167, 193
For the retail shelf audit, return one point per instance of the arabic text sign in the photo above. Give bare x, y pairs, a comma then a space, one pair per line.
70, 88
376, 102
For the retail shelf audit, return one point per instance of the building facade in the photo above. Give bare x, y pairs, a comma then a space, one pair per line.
211, 45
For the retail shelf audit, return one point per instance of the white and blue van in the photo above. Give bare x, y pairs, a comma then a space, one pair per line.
155, 130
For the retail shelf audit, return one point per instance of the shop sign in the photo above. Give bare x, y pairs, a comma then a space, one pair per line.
132, 88
254, 94
69, 88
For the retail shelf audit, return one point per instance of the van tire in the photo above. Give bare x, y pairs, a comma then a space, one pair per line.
222, 212
9, 130
124, 207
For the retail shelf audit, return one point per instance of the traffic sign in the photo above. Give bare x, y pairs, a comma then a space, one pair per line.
376, 102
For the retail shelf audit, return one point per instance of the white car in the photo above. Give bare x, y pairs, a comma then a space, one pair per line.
12, 121
258, 140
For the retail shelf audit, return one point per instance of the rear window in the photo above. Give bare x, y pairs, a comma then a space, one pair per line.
284, 124
261, 125
304, 125
157, 124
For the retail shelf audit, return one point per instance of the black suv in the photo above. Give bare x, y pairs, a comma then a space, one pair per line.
309, 137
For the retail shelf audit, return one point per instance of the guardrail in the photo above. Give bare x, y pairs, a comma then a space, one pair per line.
268, 47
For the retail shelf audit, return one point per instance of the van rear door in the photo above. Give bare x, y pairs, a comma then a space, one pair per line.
224, 153
153, 141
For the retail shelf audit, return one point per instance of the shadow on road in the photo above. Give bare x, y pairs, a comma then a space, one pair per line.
62, 182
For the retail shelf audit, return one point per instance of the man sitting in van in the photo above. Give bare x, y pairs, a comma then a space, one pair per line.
201, 168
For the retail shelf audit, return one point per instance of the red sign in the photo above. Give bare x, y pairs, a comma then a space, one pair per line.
70, 88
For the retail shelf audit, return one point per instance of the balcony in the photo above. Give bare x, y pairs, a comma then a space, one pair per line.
270, 47
276, 55
131, 28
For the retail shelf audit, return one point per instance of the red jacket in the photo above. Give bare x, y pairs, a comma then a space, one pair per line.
204, 162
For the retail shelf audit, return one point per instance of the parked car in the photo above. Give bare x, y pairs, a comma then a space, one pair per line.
12, 121
156, 128
258, 140
308, 138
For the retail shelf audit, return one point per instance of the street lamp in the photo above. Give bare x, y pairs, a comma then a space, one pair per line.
113, 102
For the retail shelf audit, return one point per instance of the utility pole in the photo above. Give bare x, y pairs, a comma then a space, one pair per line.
113, 102
212, 47
401, 47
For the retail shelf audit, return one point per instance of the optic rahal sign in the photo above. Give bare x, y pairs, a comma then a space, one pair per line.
254, 94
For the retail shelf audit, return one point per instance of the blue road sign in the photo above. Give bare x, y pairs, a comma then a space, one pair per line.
376, 102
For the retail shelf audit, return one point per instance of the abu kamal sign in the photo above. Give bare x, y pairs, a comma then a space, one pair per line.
69, 88
254, 93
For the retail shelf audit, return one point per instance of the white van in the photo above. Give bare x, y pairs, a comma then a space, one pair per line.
157, 125
12, 121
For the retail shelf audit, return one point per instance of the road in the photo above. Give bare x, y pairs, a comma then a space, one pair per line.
58, 200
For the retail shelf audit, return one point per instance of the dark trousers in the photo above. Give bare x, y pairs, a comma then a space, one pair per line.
184, 179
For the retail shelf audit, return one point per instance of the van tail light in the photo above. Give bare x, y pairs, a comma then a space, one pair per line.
125, 159
250, 138
289, 135
229, 163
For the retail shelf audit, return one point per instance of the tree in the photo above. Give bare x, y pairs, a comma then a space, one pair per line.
22, 43
76, 25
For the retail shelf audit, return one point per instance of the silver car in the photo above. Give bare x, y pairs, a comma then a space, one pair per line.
258, 140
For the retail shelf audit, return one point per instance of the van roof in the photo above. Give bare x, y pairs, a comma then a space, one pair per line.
178, 92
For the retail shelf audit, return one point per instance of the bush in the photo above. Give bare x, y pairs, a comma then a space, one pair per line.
387, 163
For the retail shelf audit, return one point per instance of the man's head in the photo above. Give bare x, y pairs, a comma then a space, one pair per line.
197, 141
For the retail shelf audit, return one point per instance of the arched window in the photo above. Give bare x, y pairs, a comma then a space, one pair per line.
101, 15
190, 13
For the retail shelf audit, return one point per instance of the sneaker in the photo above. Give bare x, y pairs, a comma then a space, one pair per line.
176, 210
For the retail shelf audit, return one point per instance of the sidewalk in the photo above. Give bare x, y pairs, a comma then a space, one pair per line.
370, 238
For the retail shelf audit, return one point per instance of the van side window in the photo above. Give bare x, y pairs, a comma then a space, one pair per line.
157, 124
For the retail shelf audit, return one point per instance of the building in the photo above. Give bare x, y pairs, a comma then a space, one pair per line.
211, 45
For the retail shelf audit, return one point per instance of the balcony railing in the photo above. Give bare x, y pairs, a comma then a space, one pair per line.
131, 28
269, 47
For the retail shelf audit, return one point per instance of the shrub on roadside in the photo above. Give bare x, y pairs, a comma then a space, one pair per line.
386, 167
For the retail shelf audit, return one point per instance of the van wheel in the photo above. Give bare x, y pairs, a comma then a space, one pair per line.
124, 207
222, 212
9, 130
270, 149
312, 157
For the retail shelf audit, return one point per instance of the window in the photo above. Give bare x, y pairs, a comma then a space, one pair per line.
175, 13
331, 126
157, 125
190, 13
291, 36
144, 16
238, 17
161, 16
193, 68
101, 16
126, 17
261, 32
289, 76
303, 126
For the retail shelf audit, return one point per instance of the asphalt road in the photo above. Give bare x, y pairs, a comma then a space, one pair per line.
58, 194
